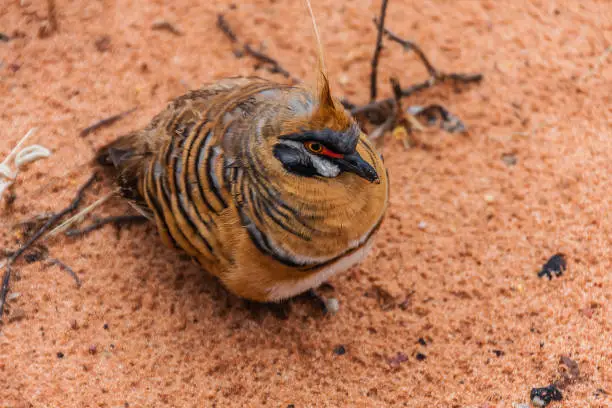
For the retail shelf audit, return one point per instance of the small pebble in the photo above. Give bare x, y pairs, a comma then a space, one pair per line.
60, 354
344, 79
13, 296
93, 349
509, 158
422, 225
420, 356
489, 198
332, 305
422, 341
520, 405
105, 326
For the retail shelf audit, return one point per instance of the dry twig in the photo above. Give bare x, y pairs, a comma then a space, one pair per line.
273, 65
117, 221
105, 122
54, 261
380, 112
435, 75
50, 25
166, 26
383, 113
47, 225
376, 57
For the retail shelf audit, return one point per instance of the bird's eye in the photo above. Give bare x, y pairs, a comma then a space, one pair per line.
314, 147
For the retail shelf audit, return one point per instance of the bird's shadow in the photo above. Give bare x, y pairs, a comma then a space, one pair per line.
188, 280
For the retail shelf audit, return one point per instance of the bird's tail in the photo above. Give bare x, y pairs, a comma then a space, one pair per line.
122, 160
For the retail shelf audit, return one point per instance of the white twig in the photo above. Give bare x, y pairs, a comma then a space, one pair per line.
22, 157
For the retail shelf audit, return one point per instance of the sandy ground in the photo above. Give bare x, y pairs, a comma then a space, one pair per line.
456, 261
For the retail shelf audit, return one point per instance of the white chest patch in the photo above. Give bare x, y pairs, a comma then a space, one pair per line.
285, 290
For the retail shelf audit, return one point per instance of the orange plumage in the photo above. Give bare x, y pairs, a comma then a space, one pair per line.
272, 188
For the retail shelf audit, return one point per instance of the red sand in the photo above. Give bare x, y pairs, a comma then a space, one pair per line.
466, 283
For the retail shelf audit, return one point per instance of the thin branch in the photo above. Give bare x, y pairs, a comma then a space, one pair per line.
105, 122
434, 74
376, 57
47, 225
226, 29
6, 278
378, 112
54, 261
273, 65
118, 221
167, 26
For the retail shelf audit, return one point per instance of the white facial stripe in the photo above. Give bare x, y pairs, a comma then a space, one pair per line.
324, 167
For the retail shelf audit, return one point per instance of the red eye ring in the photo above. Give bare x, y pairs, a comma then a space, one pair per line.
318, 148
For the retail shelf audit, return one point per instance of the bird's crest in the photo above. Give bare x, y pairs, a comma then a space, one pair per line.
327, 112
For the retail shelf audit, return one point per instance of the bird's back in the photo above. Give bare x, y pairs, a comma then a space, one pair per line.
174, 168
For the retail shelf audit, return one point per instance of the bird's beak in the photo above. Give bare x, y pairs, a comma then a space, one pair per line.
355, 164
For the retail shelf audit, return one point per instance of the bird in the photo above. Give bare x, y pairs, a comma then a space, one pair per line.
273, 188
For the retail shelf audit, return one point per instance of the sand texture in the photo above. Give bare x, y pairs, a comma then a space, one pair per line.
447, 311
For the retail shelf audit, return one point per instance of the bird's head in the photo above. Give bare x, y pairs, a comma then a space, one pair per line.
323, 142
323, 153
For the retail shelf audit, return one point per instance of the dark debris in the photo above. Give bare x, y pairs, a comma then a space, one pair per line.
386, 301
103, 43
397, 360
166, 26
438, 114
36, 254
510, 159
541, 397
574, 370
557, 264
340, 350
